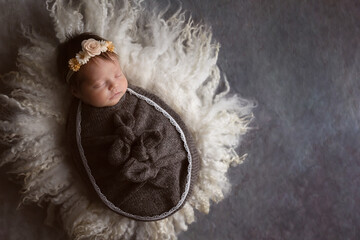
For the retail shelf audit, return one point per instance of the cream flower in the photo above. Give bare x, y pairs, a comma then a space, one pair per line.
91, 47
82, 57
103, 45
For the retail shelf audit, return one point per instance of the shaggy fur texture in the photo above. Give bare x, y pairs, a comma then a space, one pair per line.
169, 56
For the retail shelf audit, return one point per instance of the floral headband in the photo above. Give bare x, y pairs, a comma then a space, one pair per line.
90, 48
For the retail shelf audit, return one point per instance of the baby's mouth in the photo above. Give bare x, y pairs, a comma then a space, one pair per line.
115, 95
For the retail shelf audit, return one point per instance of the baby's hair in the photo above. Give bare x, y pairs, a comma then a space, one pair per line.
69, 49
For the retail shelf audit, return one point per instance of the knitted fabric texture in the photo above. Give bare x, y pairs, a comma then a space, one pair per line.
134, 156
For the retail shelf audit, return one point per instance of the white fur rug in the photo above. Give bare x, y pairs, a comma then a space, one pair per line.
170, 56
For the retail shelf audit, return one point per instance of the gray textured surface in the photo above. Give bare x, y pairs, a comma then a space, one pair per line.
300, 60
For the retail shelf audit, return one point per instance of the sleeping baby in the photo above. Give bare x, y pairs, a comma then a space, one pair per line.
132, 150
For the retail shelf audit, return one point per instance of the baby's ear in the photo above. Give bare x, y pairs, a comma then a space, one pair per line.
75, 92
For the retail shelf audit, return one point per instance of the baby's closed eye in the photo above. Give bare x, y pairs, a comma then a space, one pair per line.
98, 85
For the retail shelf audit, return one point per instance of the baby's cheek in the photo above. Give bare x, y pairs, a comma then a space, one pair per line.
103, 95
124, 84
96, 96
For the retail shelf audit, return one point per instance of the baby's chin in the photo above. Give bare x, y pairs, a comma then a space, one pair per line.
115, 99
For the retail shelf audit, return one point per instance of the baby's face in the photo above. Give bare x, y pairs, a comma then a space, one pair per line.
102, 82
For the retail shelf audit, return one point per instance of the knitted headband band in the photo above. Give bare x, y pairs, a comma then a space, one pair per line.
90, 48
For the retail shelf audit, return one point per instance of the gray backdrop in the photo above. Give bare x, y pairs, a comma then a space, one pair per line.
300, 60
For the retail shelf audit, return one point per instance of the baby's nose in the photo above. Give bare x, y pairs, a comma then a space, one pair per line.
112, 86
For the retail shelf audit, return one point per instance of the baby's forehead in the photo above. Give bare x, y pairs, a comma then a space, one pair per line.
99, 67
100, 62
102, 59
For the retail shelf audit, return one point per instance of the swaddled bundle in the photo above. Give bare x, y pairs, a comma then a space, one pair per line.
137, 155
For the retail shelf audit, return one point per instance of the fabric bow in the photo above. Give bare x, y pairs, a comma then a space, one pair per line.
135, 155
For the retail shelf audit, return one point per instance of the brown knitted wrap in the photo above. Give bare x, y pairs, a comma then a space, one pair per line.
138, 155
